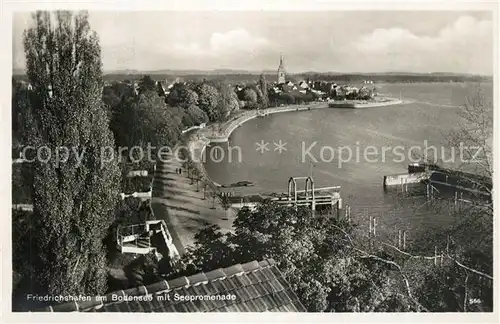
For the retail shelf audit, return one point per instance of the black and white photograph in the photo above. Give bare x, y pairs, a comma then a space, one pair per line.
300, 161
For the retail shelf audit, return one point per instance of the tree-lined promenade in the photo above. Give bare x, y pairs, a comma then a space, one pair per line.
68, 244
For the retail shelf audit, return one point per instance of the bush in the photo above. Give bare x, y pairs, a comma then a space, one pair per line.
143, 271
136, 184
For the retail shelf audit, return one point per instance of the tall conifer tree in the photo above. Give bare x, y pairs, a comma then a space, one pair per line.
73, 201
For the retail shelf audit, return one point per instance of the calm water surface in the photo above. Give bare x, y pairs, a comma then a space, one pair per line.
427, 120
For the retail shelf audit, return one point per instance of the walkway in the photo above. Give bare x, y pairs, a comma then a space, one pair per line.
221, 132
176, 201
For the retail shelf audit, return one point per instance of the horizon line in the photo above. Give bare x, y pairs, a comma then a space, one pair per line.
159, 71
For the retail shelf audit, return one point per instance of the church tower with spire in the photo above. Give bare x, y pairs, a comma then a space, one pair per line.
281, 71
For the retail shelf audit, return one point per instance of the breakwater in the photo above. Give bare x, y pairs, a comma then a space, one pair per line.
359, 104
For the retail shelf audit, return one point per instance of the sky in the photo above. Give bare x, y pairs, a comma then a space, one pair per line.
331, 41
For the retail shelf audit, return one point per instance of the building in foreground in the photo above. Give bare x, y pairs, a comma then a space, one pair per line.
250, 287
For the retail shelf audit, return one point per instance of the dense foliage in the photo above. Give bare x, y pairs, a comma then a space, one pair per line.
22, 183
263, 88
328, 268
136, 184
311, 252
73, 200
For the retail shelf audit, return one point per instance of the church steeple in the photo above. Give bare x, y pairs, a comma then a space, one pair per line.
281, 71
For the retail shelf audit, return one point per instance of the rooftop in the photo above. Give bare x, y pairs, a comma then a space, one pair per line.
254, 287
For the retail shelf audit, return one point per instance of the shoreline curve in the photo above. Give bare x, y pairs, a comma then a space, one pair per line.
199, 139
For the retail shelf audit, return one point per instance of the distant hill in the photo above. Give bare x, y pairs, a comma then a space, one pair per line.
240, 75
182, 72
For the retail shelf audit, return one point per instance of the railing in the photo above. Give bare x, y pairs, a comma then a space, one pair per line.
133, 235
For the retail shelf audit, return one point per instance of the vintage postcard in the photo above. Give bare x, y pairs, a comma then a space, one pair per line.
318, 160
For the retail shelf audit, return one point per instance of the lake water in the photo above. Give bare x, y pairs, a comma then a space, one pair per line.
395, 129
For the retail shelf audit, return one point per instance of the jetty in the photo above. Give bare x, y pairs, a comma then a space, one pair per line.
438, 177
321, 199
358, 104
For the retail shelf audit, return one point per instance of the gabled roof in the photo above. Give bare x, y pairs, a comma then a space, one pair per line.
252, 287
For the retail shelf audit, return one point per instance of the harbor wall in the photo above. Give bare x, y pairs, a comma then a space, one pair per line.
405, 178
358, 104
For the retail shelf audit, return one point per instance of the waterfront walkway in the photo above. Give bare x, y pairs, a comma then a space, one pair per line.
220, 132
176, 201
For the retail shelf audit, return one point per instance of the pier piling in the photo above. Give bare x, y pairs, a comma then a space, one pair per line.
371, 230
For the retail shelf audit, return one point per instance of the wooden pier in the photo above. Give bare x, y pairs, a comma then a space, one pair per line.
310, 196
447, 179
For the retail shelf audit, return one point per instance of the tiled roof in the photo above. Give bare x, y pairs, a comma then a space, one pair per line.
250, 287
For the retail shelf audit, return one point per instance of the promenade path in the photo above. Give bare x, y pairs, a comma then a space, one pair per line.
183, 208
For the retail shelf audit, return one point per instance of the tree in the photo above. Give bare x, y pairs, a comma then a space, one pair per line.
225, 201
260, 97
364, 93
197, 178
73, 202
194, 116
181, 95
287, 98
117, 99
228, 101
213, 194
210, 251
110, 100
473, 233
143, 270
19, 106
147, 119
22, 227
189, 166
208, 99
311, 252
468, 238
146, 83
205, 185
263, 88
250, 96
124, 122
